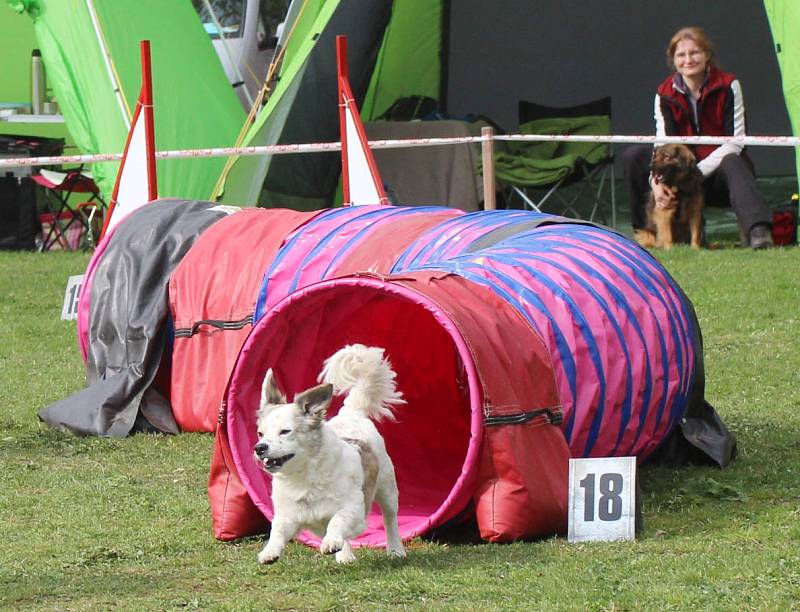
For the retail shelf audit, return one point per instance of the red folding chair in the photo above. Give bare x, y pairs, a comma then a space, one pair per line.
59, 186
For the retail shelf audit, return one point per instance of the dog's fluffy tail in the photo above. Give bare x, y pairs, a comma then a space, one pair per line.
368, 379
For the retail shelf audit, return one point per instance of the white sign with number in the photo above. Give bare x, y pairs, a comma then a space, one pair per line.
69, 311
602, 499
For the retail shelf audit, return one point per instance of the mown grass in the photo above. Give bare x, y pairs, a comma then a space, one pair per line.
94, 523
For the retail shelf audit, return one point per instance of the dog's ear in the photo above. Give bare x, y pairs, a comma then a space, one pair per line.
270, 393
686, 156
314, 402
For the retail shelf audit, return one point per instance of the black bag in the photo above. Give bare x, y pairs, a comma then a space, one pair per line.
19, 223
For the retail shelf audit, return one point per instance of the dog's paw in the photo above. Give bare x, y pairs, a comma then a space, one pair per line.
645, 238
331, 544
266, 557
345, 556
396, 552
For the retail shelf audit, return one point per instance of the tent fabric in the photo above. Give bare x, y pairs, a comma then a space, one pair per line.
783, 16
309, 54
127, 330
246, 176
414, 60
413, 37
384, 38
181, 50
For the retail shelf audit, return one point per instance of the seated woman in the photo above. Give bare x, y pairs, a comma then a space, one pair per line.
699, 99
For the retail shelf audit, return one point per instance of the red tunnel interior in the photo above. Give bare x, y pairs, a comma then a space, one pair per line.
429, 442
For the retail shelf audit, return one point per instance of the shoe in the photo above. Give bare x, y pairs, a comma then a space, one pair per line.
760, 237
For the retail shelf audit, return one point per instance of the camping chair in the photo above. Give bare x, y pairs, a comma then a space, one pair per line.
561, 174
60, 218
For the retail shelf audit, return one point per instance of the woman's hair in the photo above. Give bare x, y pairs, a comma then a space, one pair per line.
695, 34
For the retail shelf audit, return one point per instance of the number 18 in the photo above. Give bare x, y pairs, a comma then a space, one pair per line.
609, 506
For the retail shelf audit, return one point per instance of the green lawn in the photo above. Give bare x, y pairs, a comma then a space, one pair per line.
124, 524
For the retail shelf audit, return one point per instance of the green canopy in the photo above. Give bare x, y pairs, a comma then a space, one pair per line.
784, 17
195, 106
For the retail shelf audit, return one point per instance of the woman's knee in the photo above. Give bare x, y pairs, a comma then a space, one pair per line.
733, 164
636, 164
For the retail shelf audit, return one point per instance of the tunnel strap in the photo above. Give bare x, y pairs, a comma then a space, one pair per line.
188, 332
553, 415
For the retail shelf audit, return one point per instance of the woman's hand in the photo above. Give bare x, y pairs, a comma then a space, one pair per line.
664, 196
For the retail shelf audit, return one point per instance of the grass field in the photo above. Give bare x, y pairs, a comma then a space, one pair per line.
93, 524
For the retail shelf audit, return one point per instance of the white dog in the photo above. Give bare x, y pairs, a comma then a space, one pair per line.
326, 474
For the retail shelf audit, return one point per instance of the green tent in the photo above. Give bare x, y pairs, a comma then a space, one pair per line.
195, 106
385, 39
784, 21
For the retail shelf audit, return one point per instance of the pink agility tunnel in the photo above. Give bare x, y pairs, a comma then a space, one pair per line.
620, 349
475, 430
520, 339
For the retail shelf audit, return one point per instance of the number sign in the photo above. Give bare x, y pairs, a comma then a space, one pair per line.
602, 499
69, 311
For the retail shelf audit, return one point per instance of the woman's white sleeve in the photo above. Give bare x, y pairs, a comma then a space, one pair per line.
659, 117
711, 163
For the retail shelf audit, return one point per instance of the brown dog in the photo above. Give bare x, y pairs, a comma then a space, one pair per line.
675, 166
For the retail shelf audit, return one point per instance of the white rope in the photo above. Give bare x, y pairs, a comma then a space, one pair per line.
769, 141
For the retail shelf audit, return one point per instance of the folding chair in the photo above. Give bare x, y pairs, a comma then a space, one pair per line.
60, 216
566, 175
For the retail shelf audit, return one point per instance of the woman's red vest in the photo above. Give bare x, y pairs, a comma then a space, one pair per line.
714, 109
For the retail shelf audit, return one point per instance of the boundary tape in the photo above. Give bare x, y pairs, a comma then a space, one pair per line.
769, 141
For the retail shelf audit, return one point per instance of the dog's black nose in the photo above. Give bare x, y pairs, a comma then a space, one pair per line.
261, 449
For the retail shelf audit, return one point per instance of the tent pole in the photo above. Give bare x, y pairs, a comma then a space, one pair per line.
228, 52
126, 112
256, 108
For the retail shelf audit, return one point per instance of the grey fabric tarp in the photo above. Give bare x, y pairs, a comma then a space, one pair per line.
127, 321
